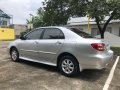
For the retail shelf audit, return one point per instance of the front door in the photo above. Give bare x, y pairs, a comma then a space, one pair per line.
28, 48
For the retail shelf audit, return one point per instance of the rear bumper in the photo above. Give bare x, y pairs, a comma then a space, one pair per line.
97, 62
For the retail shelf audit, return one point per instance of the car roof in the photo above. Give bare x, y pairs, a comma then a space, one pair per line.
53, 27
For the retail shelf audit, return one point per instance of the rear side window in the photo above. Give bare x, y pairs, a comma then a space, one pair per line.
81, 33
36, 34
53, 33
61, 36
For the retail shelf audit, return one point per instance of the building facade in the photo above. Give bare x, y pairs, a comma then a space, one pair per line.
4, 19
18, 29
82, 24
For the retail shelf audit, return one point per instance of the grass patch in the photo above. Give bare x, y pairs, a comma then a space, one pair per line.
116, 50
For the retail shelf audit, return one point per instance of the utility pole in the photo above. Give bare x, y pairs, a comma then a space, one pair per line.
31, 23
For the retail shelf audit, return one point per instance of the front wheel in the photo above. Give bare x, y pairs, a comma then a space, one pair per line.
14, 55
68, 66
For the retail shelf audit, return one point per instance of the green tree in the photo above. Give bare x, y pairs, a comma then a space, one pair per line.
77, 8
56, 12
37, 20
100, 9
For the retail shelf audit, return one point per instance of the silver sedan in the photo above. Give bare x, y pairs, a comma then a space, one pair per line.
69, 49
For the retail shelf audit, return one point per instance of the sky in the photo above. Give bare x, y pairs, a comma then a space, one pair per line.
20, 9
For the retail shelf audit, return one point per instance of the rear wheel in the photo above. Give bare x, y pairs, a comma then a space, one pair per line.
68, 66
14, 55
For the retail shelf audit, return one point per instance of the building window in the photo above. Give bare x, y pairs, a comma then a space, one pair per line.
109, 29
0, 22
4, 23
95, 32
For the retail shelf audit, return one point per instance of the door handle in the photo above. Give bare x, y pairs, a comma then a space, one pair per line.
36, 42
58, 43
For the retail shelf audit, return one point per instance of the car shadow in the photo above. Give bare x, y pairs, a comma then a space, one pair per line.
86, 75
40, 66
91, 75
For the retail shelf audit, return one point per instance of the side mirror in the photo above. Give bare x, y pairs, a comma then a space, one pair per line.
22, 37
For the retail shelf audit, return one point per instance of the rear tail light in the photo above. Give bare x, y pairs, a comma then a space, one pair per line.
98, 46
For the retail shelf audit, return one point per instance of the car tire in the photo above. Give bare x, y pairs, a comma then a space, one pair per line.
69, 66
14, 55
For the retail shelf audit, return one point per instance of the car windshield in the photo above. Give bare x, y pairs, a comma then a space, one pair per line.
81, 33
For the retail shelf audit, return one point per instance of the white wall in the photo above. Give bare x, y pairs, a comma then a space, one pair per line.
19, 28
115, 28
113, 40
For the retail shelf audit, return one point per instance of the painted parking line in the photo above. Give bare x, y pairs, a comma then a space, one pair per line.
109, 79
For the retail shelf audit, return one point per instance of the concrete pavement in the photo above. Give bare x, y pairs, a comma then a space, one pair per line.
26, 75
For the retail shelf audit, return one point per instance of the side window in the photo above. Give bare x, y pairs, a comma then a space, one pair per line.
36, 34
53, 34
61, 36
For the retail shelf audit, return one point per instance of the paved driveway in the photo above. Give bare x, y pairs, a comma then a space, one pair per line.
26, 75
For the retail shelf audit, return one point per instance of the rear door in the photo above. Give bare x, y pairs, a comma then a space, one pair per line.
50, 44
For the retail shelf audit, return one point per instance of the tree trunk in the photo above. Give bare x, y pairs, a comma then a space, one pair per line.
102, 35
99, 27
103, 29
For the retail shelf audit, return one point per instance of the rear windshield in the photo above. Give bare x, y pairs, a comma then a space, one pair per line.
81, 33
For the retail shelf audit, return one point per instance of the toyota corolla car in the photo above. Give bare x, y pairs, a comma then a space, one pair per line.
69, 49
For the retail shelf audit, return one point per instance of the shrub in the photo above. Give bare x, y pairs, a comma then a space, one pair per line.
116, 50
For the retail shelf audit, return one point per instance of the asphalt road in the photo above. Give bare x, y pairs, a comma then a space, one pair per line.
26, 75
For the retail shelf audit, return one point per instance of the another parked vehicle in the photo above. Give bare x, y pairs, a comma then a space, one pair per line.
70, 49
